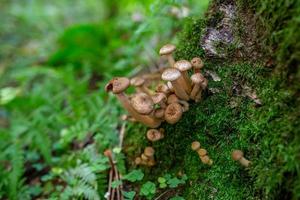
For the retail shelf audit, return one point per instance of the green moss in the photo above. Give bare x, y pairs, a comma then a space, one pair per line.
227, 120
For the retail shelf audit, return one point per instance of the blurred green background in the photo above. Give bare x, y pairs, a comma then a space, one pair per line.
55, 58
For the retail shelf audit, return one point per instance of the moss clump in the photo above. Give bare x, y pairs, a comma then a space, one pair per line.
227, 119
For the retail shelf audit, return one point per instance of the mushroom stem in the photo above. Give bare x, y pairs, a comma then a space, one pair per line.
198, 96
146, 90
185, 105
244, 162
179, 91
187, 82
145, 119
170, 60
195, 91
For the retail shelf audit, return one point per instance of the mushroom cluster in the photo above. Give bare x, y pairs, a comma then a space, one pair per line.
168, 98
205, 159
147, 158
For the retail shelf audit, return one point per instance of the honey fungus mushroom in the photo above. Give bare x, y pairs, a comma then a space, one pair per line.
118, 86
167, 50
159, 99
197, 80
183, 66
173, 75
197, 64
238, 155
139, 84
173, 113
195, 145
154, 135
142, 103
174, 99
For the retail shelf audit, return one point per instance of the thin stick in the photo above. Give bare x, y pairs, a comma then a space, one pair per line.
161, 195
121, 136
109, 182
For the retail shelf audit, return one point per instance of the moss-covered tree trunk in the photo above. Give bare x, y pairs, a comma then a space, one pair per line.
251, 51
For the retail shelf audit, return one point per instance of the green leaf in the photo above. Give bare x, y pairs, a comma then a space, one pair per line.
174, 182
162, 185
116, 184
135, 175
148, 188
161, 180
129, 195
8, 94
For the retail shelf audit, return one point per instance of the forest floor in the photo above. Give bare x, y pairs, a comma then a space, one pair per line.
252, 104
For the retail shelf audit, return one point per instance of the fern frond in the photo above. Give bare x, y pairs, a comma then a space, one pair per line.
17, 162
85, 174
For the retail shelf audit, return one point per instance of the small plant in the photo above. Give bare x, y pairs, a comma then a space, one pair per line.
148, 190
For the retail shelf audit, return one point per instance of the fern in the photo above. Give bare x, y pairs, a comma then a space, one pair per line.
17, 161
81, 183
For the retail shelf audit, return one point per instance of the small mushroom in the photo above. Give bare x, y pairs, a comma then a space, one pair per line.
144, 157
183, 66
238, 155
154, 135
118, 85
142, 103
149, 152
174, 99
173, 113
159, 113
206, 160
197, 80
202, 152
159, 99
197, 64
167, 51
139, 161
195, 145
173, 75
163, 88
138, 82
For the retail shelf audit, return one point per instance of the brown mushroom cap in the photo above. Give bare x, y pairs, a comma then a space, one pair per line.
153, 135
142, 103
138, 161
183, 65
173, 113
149, 151
170, 74
117, 85
205, 159
197, 63
195, 145
167, 49
201, 152
162, 88
172, 99
237, 154
144, 157
197, 78
137, 81
159, 97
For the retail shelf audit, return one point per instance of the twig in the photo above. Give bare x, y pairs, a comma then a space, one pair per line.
109, 182
162, 194
121, 136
